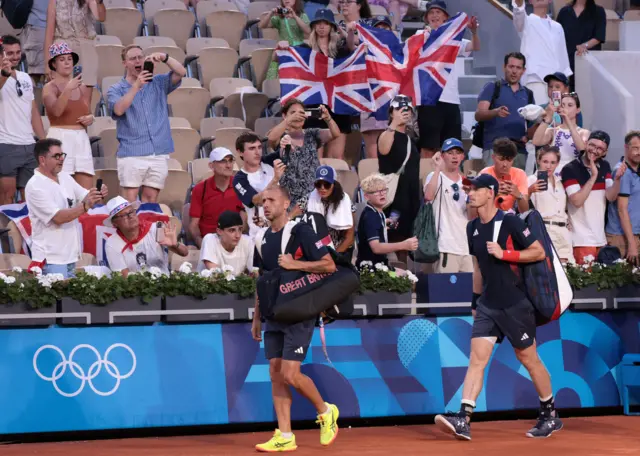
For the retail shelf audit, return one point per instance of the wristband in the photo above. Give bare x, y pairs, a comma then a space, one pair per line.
474, 301
512, 256
166, 58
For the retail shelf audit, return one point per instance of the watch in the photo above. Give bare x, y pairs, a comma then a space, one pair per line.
166, 57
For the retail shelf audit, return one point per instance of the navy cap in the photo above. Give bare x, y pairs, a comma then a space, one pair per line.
601, 135
558, 76
438, 4
381, 20
324, 15
483, 181
452, 143
229, 219
326, 173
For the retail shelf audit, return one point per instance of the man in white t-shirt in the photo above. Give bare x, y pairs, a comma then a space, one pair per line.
254, 177
444, 189
443, 120
227, 247
138, 246
56, 201
19, 119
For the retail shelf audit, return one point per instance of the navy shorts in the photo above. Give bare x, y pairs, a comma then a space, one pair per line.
517, 323
288, 341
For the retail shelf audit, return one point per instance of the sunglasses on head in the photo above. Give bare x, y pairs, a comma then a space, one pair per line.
323, 184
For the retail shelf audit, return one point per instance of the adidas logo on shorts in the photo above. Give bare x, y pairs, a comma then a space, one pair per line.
525, 336
300, 351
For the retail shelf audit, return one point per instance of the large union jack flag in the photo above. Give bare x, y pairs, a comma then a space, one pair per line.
313, 78
418, 68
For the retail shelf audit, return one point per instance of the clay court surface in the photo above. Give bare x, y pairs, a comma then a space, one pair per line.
599, 436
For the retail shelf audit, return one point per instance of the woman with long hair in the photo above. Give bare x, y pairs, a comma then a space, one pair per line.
297, 147
548, 197
398, 153
329, 199
567, 137
72, 21
67, 101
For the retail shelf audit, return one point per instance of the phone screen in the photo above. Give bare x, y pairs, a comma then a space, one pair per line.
556, 96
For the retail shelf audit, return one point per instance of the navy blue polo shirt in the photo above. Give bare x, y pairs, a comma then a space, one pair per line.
371, 227
513, 126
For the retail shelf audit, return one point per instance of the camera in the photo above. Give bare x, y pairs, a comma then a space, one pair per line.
283, 11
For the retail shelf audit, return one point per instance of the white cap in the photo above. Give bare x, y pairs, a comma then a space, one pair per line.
219, 154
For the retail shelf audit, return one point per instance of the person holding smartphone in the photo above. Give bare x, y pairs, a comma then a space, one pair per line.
548, 196
67, 102
138, 245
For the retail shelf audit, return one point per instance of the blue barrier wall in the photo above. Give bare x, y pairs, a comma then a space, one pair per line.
62, 379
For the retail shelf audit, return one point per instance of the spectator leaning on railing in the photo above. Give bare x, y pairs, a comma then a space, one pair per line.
19, 119
139, 105
138, 245
55, 202
623, 227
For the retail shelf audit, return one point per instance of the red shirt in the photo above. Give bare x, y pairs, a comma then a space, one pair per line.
208, 202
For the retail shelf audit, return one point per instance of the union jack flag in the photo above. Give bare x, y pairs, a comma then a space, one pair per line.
418, 68
313, 78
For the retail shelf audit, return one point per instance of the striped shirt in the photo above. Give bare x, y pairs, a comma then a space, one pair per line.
144, 128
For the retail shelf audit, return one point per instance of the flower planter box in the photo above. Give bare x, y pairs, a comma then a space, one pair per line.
213, 308
100, 315
590, 298
626, 297
28, 316
383, 304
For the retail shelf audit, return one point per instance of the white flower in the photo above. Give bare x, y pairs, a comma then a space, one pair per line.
254, 269
636, 270
186, 268
589, 259
206, 273
412, 277
36, 270
45, 281
216, 270
155, 272
95, 274
571, 262
17, 269
382, 267
230, 277
620, 260
227, 268
53, 278
22, 285
8, 280
364, 264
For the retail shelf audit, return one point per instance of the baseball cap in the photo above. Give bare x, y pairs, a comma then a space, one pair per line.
326, 173
381, 20
482, 181
601, 135
229, 219
219, 154
558, 76
452, 143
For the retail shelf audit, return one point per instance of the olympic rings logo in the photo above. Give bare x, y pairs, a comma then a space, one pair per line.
79, 373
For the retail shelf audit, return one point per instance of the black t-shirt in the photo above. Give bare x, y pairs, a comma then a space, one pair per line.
502, 282
305, 247
371, 227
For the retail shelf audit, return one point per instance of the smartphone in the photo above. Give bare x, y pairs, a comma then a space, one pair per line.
314, 113
77, 71
544, 176
556, 98
99, 185
159, 231
148, 66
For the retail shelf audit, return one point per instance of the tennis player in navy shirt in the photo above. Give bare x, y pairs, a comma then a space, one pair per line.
502, 308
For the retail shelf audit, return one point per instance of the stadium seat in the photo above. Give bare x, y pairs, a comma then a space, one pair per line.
125, 23
213, 63
367, 167
247, 106
175, 189
269, 34
96, 97
179, 122
199, 170
378, 10
353, 148
109, 60
15, 236
170, 18
195, 45
99, 124
228, 25
190, 83
335, 163
154, 41
109, 4
349, 181
110, 179
193, 257
259, 54
108, 39
264, 124
11, 260
109, 147
190, 102
608, 4
612, 42
172, 163
426, 166
254, 12
209, 125
226, 137
219, 88
106, 84
204, 8
632, 15
45, 124
271, 88
186, 145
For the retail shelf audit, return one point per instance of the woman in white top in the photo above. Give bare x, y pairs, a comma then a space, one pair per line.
549, 198
567, 137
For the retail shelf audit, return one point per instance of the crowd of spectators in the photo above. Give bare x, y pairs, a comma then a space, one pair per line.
585, 202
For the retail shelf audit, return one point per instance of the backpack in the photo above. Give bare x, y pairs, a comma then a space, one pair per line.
546, 282
425, 230
17, 12
478, 128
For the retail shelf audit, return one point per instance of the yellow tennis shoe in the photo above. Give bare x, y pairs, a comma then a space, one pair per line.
277, 443
328, 422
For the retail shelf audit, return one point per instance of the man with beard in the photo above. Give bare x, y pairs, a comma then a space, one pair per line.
589, 185
19, 119
499, 242
286, 345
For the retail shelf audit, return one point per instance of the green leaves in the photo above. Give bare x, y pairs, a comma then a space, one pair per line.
379, 279
603, 276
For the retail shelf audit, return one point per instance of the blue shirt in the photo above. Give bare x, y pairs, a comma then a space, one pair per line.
144, 128
513, 126
372, 226
629, 188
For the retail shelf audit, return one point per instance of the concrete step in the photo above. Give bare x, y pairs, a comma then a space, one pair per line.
470, 70
473, 84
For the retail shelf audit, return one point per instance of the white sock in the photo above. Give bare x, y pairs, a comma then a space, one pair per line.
326, 411
286, 435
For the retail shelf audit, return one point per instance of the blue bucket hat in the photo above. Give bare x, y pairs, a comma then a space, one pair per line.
324, 15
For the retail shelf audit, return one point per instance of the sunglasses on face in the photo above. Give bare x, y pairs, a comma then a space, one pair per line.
127, 215
323, 184
60, 156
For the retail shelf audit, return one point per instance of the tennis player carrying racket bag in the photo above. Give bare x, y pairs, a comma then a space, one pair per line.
294, 296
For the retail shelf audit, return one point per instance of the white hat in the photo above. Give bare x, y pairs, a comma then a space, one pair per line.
219, 154
115, 205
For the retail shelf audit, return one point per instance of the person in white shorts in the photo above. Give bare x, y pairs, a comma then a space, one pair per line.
228, 247
67, 101
443, 189
138, 245
138, 103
